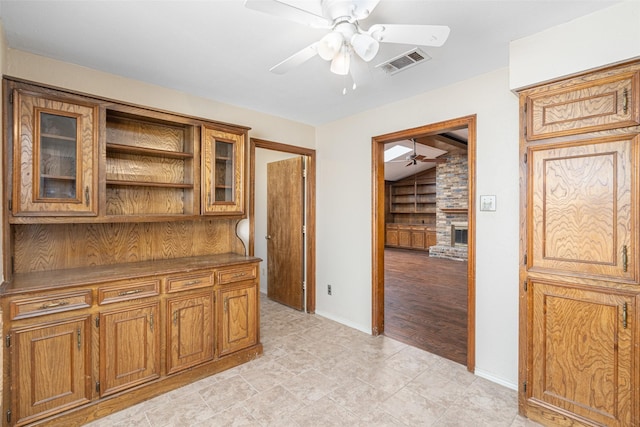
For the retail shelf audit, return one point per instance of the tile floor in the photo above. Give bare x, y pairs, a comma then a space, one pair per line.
316, 372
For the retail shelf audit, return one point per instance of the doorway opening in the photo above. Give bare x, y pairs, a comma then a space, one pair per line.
261, 153
460, 214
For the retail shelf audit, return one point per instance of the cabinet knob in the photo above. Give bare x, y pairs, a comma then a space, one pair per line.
268, 237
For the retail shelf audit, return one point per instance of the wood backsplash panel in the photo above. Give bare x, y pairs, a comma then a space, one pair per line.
43, 247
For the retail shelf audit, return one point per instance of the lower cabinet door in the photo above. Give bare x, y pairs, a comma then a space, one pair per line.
190, 330
238, 323
582, 353
50, 368
129, 347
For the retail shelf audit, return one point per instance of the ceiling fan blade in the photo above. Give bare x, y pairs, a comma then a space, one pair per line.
425, 160
292, 13
423, 35
296, 59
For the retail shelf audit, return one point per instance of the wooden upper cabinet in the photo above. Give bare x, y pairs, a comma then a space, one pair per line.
607, 103
582, 353
223, 156
582, 207
54, 156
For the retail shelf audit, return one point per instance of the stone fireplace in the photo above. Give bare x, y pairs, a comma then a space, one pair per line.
452, 225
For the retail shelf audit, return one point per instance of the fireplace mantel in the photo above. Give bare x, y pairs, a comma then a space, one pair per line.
454, 210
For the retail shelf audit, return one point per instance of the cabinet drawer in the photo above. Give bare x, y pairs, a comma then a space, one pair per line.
237, 274
607, 103
49, 304
128, 291
189, 281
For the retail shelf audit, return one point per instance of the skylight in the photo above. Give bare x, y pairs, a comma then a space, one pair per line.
395, 152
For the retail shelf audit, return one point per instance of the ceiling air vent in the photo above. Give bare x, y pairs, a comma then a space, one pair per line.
404, 61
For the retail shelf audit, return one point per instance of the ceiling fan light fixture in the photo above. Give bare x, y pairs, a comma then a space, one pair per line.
340, 63
365, 46
330, 45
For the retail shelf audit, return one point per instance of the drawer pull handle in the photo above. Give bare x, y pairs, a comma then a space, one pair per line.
192, 282
134, 291
624, 316
625, 101
151, 321
53, 304
625, 259
237, 275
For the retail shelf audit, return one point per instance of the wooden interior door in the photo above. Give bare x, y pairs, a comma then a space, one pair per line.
285, 234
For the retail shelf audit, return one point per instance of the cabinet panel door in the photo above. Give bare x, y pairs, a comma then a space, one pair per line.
392, 237
222, 172
404, 237
55, 153
582, 349
50, 368
190, 333
418, 239
129, 347
582, 201
607, 103
239, 321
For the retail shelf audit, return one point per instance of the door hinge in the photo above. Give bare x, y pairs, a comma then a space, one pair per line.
9, 415
525, 285
7, 341
524, 386
304, 229
525, 158
304, 173
525, 259
97, 321
304, 286
10, 204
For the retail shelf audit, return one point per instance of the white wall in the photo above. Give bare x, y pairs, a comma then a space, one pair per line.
345, 202
344, 171
604, 37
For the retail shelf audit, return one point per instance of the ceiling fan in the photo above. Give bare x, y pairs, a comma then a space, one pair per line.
343, 18
414, 157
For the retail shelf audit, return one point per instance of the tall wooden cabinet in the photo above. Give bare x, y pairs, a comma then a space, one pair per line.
124, 278
580, 289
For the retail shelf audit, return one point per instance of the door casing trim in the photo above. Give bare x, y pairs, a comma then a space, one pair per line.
378, 222
310, 212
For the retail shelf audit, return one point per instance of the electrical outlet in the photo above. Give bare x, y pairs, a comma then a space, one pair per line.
329, 289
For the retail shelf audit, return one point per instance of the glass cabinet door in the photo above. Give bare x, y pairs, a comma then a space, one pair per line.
223, 172
57, 154
54, 157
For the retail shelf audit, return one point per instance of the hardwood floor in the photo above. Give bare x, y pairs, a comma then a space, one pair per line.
426, 302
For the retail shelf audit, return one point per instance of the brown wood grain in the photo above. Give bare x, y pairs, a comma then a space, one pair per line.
53, 247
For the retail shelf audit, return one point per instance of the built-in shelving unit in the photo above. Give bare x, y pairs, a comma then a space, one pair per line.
149, 166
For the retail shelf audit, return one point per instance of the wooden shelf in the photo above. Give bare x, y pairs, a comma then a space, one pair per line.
143, 151
148, 184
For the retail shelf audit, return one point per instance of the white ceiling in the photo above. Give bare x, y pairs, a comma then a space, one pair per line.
220, 50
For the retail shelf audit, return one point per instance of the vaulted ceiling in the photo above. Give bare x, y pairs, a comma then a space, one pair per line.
220, 50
